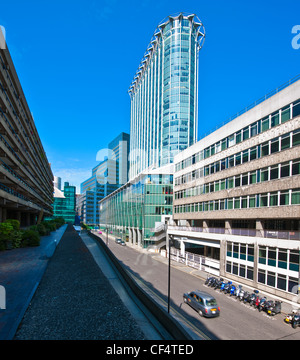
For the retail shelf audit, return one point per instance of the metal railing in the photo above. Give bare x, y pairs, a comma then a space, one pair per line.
196, 261
274, 234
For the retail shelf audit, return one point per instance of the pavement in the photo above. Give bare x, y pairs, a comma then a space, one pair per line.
57, 291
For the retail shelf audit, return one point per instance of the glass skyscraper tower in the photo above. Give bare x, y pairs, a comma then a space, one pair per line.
164, 94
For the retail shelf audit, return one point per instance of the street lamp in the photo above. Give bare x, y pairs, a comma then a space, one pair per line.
169, 270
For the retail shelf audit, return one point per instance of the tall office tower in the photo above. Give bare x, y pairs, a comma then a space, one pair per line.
164, 94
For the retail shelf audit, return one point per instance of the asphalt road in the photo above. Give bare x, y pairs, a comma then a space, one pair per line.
237, 321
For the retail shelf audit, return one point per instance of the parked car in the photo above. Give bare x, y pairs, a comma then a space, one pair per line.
204, 303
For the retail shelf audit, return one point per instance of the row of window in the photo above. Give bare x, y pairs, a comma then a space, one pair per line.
272, 146
278, 117
278, 171
278, 198
265, 277
271, 256
276, 258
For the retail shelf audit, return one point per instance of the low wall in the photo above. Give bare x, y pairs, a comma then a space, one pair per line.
169, 323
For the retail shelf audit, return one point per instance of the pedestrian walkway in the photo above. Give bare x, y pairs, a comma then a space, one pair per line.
20, 273
74, 300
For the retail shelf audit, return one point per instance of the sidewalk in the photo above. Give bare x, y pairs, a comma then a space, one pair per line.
75, 300
21, 271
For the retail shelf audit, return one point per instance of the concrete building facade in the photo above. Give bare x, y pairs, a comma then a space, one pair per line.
26, 179
237, 195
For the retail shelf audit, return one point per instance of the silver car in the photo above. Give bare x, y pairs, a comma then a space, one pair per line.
204, 303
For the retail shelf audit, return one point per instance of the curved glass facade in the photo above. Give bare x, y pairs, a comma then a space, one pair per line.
164, 94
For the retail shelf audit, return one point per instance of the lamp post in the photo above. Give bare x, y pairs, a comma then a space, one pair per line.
169, 270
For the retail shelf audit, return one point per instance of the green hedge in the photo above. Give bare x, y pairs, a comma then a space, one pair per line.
12, 237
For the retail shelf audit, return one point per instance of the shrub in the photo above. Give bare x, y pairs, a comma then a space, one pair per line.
10, 235
16, 238
30, 238
59, 222
49, 225
5, 231
42, 230
14, 223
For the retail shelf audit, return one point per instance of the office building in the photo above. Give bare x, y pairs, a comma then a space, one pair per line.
164, 94
26, 179
133, 210
237, 195
64, 202
164, 118
107, 176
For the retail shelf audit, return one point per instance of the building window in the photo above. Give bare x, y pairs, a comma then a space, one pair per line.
285, 141
262, 255
272, 256
275, 145
246, 133
274, 199
296, 167
296, 137
285, 114
284, 198
265, 124
294, 260
242, 271
282, 258
296, 109
274, 172
261, 278
275, 119
293, 284
264, 174
250, 272
271, 278
285, 170
265, 149
296, 197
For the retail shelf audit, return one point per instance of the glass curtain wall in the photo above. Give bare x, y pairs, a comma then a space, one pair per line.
138, 206
163, 95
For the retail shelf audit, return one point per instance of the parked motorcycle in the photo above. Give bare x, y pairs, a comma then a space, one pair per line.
293, 318
266, 305
209, 280
227, 287
232, 290
262, 304
217, 283
246, 296
213, 282
253, 297
274, 308
237, 291
258, 300
241, 294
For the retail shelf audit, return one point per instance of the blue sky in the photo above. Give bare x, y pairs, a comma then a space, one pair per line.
76, 60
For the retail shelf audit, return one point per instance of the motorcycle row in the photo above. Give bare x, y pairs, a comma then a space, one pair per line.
271, 307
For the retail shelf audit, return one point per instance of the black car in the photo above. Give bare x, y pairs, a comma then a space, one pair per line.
204, 303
